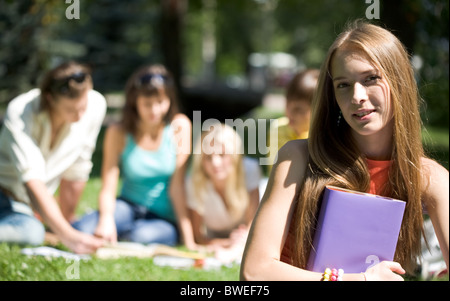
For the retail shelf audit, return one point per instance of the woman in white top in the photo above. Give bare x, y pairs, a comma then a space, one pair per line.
47, 140
222, 190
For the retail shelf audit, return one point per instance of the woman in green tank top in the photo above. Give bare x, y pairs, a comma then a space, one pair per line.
148, 149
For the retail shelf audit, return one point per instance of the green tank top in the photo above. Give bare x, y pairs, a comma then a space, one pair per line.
146, 174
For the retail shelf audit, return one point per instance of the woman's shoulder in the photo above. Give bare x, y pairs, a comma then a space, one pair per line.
181, 119
180, 124
115, 134
28, 100
291, 161
431, 168
293, 149
435, 179
97, 102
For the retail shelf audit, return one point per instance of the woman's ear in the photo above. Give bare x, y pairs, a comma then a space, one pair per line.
51, 100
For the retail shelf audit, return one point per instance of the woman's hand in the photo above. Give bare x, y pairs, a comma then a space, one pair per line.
385, 271
106, 229
81, 243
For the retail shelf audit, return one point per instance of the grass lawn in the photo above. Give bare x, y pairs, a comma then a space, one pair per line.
15, 266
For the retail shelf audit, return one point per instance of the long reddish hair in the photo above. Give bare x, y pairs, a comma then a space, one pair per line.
336, 160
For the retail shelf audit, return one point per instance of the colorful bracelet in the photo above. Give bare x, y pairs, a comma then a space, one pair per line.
332, 275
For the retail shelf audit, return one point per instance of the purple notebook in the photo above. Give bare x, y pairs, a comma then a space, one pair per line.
355, 230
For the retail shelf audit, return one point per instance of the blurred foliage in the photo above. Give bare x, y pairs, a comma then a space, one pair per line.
433, 47
115, 37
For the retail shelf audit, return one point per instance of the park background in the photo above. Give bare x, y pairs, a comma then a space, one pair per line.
230, 58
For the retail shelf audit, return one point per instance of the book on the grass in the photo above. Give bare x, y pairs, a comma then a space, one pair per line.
132, 249
355, 230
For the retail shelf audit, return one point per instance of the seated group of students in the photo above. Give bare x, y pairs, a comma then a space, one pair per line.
165, 198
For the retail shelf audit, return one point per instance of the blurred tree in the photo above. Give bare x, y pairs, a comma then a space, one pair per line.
115, 38
171, 20
21, 53
401, 17
118, 38
432, 49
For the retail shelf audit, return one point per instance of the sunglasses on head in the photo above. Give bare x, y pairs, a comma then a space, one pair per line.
61, 86
156, 80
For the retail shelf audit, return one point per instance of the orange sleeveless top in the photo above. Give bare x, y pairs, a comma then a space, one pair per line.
379, 175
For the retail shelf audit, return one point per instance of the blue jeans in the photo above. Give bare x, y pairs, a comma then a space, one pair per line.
17, 223
134, 223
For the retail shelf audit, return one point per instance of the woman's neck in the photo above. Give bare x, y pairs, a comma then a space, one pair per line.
151, 131
57, 123
377, 146
219, 186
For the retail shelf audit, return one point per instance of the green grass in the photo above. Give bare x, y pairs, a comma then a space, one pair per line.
16, 266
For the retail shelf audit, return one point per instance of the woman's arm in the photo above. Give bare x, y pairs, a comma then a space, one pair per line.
261, 260
113, 145
197, 223
252, 206
48, 208
436, 200
182, 132
69, 196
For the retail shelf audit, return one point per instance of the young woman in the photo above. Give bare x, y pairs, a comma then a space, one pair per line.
47, 140
365, 135
149, 150
222, 192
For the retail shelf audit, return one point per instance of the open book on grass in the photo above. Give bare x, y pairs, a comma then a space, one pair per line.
355, 230
131, 249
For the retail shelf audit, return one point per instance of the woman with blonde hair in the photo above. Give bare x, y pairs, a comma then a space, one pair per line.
222, 189
365, 135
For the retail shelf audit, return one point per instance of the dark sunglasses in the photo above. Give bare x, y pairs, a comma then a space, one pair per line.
156, 80
61, 86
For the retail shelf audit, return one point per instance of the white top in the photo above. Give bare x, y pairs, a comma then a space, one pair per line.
217, 220
25, 152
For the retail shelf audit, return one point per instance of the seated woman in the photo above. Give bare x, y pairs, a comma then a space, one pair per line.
149, 149
222, 192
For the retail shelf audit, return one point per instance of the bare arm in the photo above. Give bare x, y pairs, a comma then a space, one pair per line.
252, 206
197, 223
113, 145
69, 196
48, 208
261, 260
182, 131
436, 199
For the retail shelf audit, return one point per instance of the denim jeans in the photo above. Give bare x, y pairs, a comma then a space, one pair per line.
134, 223
17, 223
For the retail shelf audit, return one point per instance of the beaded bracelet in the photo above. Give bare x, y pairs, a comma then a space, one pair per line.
332, 275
